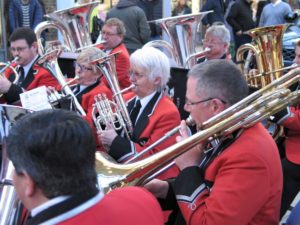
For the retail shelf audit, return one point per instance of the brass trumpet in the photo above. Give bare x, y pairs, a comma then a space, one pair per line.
256, 107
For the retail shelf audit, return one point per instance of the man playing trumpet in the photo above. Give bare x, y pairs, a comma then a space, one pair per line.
23, 45
152, 113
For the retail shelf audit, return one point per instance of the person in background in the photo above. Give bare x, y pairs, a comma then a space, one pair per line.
274, 13
113, 33
137, 29
23, 44
218, 7
214, 185
152, 113
25, 13
53, 153
97, 22
181, 8
217, 39
240, 18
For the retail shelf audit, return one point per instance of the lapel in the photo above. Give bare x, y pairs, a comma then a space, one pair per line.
88, 89
143, 120
30, 75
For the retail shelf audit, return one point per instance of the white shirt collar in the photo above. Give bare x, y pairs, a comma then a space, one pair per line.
28, 66
144, 102
47, 204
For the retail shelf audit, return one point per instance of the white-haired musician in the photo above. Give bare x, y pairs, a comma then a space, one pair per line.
152, 113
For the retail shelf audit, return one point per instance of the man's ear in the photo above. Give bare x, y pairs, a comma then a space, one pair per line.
217, 106
30, 186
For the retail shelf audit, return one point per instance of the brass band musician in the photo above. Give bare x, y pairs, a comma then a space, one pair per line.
235, 180
152, 113
23, 44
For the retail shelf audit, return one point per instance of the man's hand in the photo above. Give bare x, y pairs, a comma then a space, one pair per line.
107, 136
158, 188
193, 156
4, 84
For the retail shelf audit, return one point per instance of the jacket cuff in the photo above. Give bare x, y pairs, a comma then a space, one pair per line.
13, 94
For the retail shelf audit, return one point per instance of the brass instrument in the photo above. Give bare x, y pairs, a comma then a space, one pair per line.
102, 111
8, 65
10, 214
50, 62
73, 23
266, 47
183, 32
254, 108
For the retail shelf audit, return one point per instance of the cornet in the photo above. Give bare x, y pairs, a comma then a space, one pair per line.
8, 65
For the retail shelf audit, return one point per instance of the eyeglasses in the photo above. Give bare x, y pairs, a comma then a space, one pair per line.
136, 75
108, 34
189, 103
212, 42
18, 49
82, 67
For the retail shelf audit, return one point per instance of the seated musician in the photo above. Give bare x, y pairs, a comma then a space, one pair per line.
89, 83
113, 32
234, 180
152, 113
290, 120
55, 175
23, 44
217, 39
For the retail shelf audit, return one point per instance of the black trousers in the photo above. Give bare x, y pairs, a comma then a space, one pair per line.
291, 184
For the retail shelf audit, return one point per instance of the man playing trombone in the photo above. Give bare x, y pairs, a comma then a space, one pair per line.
152, 113
235, 179
23, 46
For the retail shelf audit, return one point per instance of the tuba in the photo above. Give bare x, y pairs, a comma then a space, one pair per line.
73, 23
50, 62
102, 112
266, 47
183, 32
10, 211
252, 109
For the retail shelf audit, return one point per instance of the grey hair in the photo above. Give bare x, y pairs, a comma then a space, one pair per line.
219, 31
221, 79
154, 62
90, 54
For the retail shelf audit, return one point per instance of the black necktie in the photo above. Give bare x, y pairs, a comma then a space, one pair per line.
21, 75
135, 111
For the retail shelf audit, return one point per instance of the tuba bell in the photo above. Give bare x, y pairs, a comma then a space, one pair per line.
266, 47
73, 23
250, 110
183, 32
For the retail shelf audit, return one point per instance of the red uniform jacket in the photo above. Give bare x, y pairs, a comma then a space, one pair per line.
159, 116
37, 76
241, 185
86, 98
292, 140
122, 66
132, 205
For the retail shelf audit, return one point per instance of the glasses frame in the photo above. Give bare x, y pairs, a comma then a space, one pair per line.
189, 103
136, 75
18, 49
82, 67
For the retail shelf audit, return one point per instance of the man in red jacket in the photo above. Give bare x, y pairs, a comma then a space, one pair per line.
234, 180
23, 44
113, 32
55, 175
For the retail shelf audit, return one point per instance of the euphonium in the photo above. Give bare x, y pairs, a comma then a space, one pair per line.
183, 32
102, 112
256, 107
50, 62
266, 46
73, 25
